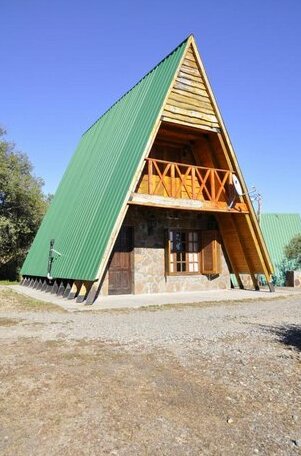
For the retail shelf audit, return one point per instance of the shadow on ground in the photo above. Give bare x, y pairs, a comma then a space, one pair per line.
289, 335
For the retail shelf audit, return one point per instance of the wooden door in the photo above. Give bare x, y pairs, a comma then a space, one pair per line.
120, 269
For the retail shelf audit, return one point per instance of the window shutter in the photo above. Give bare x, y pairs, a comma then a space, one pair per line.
211, 254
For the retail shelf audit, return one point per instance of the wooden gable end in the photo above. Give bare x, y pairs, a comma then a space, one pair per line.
189, 102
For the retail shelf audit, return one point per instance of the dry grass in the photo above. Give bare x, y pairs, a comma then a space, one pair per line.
12, 301
91, 398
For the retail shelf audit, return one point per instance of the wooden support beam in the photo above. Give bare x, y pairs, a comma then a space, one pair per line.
181, 203
67, 290
92, 293
49, 286
44, 285
193, 193
40, 283
173, 182
55, 287
61, 289
259, 252
82, 293
26, 282
74, 290
31, 283
248, 260
150, 177
228, 253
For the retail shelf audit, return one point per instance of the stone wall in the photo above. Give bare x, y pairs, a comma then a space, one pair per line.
150, 227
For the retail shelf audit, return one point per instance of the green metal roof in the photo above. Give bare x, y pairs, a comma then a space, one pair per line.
94, 187
278, 230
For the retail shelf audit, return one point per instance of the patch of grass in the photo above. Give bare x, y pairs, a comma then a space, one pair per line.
9, 282
10, 300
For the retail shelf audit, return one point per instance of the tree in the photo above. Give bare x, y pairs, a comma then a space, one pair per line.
22, 206
291, 260
293, 249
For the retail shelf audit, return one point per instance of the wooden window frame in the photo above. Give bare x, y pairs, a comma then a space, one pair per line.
169, 253
202, 270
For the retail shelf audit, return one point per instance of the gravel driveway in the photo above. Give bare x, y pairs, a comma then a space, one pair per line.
220, 379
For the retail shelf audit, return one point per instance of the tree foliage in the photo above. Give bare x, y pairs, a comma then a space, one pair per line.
293, 249
22, 206
291, 260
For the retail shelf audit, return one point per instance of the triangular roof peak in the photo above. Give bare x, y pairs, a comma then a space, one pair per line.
187, 41
92, 199
190, 101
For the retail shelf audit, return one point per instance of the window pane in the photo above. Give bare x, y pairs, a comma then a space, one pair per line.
179, 241
181, 267
184, 251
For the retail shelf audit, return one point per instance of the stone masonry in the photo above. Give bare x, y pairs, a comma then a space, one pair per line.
148, 258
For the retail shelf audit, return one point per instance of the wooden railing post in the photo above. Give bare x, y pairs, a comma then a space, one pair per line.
212, 182
192, 175
172, 178
150, 177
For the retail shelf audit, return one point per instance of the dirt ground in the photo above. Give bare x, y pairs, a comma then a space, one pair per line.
224, 380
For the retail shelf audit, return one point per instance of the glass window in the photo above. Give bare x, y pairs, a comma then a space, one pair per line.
183, 255
193, 252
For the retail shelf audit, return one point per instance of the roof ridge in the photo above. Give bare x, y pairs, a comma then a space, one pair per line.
140, 80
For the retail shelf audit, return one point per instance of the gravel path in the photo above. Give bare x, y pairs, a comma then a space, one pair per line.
159, 327
220, 379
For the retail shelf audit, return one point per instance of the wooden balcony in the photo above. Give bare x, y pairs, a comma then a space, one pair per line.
173, 184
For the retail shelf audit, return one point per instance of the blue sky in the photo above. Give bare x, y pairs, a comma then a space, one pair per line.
63, 63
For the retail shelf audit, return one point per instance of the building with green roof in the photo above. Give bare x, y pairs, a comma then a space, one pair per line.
153, 199
278, 229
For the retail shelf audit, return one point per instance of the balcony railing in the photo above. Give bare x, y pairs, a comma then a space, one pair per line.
177, 180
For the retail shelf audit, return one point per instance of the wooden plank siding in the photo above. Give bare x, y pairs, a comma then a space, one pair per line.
240, 244
232, 243
189, 102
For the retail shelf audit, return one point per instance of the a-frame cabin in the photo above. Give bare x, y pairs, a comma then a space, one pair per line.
148, 202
